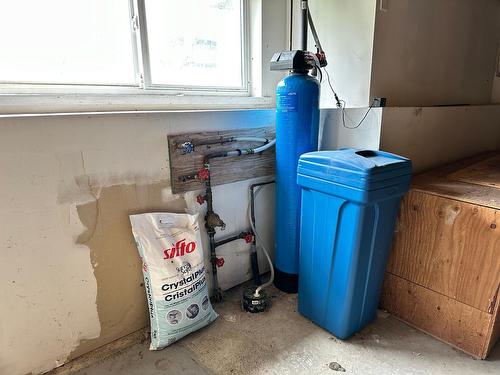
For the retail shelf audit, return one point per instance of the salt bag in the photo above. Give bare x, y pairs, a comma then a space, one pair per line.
174, 275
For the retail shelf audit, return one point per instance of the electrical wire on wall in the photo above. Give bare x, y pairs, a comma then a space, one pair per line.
342, 104
319, 61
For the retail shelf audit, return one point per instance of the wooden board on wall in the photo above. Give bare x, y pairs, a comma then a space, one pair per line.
456, 323
223, 170
448, 246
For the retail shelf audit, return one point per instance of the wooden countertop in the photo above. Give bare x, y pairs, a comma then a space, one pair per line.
474, 180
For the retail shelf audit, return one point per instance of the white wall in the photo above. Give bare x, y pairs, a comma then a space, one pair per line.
414, 53
435, 52
69, 270
345, 29
268, 34
274, 21
351, 130
433, 136
429, 136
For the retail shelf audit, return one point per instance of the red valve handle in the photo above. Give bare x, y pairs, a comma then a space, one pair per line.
203, 174
200, 199
248, 238
219, 262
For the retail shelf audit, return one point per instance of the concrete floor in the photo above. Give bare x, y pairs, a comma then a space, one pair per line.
281, 341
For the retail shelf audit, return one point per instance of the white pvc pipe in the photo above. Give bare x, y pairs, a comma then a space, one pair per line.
250, 151
264, 147
251, 139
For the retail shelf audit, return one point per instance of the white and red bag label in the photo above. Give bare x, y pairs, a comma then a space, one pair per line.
174, 275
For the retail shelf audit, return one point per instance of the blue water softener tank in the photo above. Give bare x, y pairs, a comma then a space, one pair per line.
350, 201
297, 127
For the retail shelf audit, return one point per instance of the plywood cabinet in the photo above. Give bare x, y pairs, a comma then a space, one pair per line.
443, 274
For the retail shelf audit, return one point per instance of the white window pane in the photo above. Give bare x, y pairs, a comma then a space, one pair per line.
195, 42
66, 41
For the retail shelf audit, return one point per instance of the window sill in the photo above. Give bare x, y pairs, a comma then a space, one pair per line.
44, 104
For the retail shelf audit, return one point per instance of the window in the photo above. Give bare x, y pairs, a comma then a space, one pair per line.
66, 42
200, 44
189, 45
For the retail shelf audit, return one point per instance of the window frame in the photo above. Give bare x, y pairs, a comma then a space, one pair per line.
265, 38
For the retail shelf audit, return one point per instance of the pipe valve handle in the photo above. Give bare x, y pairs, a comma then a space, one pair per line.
200, 199
219, 262
204, 174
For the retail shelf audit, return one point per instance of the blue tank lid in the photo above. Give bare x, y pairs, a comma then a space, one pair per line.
365, 169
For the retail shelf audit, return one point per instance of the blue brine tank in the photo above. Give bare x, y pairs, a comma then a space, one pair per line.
350, 201
297, 127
